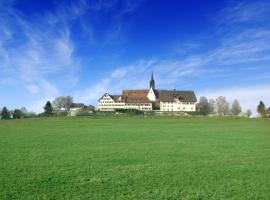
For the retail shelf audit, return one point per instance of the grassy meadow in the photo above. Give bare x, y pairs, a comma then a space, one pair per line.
135, 158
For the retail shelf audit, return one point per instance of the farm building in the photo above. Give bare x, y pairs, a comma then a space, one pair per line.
149, 99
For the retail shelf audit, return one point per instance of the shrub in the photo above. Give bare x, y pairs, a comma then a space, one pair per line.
130, 111
83, 112
62, 113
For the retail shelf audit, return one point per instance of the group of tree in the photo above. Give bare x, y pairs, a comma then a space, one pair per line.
15, 114
61, 105
220, 106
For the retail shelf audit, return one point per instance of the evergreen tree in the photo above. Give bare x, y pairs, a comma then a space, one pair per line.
203, 106
48, 110
261, 109
5, 114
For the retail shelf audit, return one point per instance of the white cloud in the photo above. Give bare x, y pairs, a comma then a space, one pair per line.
34, 89
34, 51
243, 12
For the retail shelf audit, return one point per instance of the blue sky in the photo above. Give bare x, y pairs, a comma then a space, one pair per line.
86, 48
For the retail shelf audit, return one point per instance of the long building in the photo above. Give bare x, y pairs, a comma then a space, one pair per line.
149, 99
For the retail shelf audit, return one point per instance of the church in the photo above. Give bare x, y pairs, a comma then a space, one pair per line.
149, 99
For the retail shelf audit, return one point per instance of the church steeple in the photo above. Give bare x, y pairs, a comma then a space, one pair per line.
152, 81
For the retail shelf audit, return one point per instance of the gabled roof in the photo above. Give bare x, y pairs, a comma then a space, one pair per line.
115, 98
171, 95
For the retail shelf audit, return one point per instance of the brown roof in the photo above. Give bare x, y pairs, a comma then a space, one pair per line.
135, 93
137, 100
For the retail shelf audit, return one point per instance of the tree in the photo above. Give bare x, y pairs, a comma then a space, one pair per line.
31, 114
5, 113
222, 106
17, 114
211, 106
249, 113
67, 102
24, 112
261, 109
58, 103
62, 102
48, 109
268, 112
203, 106
236, 108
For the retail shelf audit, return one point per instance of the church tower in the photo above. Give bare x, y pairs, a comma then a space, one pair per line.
151, 94
152, 81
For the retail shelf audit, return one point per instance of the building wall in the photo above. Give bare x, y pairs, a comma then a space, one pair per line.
178, 106
151, 95
139, 106
108, 104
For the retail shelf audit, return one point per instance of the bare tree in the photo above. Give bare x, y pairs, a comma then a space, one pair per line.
58, 103
222, 106
249, 113
236, 108
211, 105
24, 112
62, 102
67, 102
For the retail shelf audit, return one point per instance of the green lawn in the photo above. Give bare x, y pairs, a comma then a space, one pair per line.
135, 158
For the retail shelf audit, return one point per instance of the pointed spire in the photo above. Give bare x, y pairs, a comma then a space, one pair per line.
152, 81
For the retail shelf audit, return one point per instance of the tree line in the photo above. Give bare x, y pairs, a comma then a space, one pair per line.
220, 106
60, 106
16, 114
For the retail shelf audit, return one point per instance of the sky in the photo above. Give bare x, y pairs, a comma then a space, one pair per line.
84, 49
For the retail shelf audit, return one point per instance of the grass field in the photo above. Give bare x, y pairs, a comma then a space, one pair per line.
135, 158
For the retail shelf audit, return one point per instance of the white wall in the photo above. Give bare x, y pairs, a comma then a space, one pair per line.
177, 106
108, 104
151, 95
